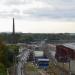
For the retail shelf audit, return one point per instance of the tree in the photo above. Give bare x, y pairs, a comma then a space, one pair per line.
2, 69
7, 54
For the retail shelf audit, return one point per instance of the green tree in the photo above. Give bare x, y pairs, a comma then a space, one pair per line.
2, 69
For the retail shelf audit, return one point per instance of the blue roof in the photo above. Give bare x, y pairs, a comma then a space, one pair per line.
43, 59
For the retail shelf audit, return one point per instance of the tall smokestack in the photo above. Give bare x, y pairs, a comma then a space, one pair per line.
13, 33
13, 26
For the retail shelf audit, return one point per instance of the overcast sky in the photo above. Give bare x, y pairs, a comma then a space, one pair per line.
38, 16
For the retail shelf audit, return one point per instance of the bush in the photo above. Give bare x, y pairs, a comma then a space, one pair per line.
2, 70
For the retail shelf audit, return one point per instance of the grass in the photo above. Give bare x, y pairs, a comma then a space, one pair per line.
31, 69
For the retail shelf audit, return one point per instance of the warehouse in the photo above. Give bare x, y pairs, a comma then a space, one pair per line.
65, 52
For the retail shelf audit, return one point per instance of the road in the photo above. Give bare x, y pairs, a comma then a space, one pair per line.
19, 69
22, 59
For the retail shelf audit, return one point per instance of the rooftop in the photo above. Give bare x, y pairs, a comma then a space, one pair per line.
43, 59
70, 45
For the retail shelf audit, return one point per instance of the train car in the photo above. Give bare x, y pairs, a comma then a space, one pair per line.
43, 63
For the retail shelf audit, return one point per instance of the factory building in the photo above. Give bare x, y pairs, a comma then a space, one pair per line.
65, 52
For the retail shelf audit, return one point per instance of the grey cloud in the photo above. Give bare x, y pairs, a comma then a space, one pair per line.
13, 13
59, 11
39, 14
15, 2
8, 13
18, 16
18, 2
56, 14
59, 1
